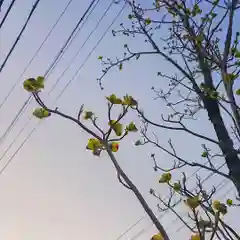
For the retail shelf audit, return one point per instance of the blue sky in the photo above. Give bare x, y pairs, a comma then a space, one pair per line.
54, 188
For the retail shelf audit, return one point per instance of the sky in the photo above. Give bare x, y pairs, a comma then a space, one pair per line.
54, 188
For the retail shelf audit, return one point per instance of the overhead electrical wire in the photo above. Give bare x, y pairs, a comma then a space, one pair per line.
207, 178
130, 228
222, 195
19, 35
69, 38
162, 215
15, 119
14, 140
7, 12
52, 65
81, 47
29, 135
224, 182
144, 230
94, 48
138, 234
21, 111
73, 38
204, 180
36, 53
122, 234
141, 232
16, 152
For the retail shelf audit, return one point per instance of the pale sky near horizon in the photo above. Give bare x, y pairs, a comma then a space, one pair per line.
54, 188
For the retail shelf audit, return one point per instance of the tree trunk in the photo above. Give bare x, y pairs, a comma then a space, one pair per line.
139, 196
226, 143
214, 114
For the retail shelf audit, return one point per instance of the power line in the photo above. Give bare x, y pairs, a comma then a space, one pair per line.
16, 152
130, 228
144, 230
15, 139
94, 48
36, 53
7, 12
81, 47
205, 179
193, 174
13, 122
74, 37
162, 215
222, 195
224, 182
138, 234
69, 38
19, 35
121, 235
53, 65
141, 232
29, 135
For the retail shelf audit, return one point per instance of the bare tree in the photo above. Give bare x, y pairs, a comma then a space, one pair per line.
200, 51
200, 43
204, 218
108, 141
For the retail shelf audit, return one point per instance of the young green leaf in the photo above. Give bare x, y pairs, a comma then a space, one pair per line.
120, 66
41, 113
193, 202
131, 127
204, 154
93, 143
237, 54
177, 186
195, 237
147, 21
213, 15
220, 207
229, 202
138, 143
95, 146
88, 115
33, 85
117, 127
40, 82
130, 16
231, 77
238, 91
114, 99
129, 100
165, 178
157, 237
